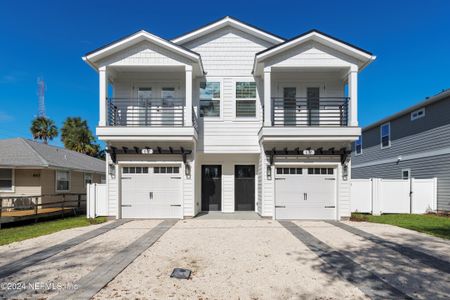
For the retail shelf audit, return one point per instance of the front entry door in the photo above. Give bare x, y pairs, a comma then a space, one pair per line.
211, 188
244, 187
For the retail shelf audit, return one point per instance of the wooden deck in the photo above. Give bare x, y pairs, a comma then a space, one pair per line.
32, 212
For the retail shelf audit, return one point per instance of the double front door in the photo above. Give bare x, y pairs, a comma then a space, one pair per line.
297, 110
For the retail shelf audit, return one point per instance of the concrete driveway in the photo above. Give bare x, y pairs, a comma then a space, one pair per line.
246, 259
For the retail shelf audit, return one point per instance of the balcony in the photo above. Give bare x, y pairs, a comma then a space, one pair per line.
148, 119
303, 111
296, 119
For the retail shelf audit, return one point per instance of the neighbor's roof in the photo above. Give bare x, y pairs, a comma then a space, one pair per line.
20, 152
429, 100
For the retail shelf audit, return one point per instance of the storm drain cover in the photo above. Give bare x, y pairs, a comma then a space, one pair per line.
180, 273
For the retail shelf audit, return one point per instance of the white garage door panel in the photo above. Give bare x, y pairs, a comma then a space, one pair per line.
151, 195
305, 196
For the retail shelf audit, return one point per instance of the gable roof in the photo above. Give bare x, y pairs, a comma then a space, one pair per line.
445, 94
134, 38
228, 21
20, 152
323, 38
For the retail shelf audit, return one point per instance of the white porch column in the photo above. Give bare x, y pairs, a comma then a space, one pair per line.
353, 94
188, 109
267, 98
103, 95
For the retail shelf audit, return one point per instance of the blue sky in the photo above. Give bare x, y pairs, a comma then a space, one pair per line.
48, 38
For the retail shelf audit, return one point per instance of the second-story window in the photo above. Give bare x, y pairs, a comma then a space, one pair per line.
358, 146
246, 99
385, 131
210, 99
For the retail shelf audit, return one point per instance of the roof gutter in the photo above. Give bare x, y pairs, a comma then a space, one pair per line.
85, 59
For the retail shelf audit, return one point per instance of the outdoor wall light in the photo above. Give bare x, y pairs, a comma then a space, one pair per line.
345, 172
269, 172
187, 170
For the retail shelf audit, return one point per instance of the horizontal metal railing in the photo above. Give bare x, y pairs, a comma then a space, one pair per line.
141, 112
303, 111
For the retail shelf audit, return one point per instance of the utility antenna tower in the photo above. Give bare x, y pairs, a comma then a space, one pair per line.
41, 96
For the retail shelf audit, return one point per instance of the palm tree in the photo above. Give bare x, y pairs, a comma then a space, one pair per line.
76, 136
43, 129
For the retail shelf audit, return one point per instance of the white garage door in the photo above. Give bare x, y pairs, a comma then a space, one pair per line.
151, 192
305, 193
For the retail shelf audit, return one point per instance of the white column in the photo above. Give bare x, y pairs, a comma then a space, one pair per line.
188, 109
267, 98
103, 77
353, 94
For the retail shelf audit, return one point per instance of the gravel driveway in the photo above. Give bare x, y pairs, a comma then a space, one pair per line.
236, 259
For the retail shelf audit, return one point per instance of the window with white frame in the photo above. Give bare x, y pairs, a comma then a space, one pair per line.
62, 181
6, 180
358, 146
385, 132
87, 178
246, 99
406, 174
417, 114
210, 99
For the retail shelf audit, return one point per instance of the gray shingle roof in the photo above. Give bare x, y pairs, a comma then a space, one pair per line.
20, 152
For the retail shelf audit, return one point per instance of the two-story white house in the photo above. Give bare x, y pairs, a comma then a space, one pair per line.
229, 117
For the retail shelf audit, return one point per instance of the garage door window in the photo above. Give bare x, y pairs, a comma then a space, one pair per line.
135, 170
166, 170
320, 171
289, 171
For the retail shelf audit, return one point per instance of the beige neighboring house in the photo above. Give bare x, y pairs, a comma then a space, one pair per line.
29, 168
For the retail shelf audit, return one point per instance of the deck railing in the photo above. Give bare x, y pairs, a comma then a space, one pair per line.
303, 111
141, 112
18, 208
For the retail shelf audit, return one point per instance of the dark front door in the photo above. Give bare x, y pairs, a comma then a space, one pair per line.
244, 187
211, 188
313, 100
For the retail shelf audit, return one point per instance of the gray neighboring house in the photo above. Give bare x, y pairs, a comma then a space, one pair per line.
414, 142
28, 168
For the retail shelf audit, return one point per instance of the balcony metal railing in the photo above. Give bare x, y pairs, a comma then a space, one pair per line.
142, 112
303, 111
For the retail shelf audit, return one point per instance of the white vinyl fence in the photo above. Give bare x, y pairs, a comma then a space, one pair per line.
96, 200
378, 196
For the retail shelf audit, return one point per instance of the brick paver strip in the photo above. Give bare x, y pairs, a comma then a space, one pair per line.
39, 256
429, 260
94, 281
369, 283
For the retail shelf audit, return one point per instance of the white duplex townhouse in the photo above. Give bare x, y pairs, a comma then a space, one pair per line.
229, 117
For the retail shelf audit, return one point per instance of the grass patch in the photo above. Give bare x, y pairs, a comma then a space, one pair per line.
20, 233
431, 224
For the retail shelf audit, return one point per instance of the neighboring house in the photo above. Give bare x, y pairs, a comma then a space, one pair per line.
29, 168
228, 117
413, 143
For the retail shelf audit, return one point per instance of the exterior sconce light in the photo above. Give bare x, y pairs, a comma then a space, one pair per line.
187, 170
345, 172
269, 172
112, 170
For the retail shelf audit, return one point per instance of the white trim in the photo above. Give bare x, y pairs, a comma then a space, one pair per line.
69, 178
416, 112
412, 156
381, 135
319, 38
409, 174
222, 23
13, 181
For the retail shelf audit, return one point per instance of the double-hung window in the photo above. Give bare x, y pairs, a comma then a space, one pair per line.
358, 146
87, 178
385, 132
6, 180
210, 99
246, 99
62, 181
